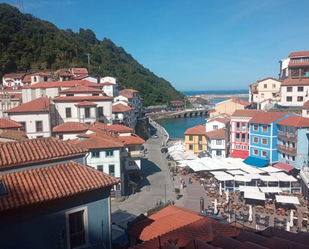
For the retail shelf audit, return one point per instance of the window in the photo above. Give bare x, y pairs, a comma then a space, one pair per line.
199, 138
45, 79
289, 89
264, 141
23, 128
111, 169
218, 142
218, 152
100, 168
215, 127
100, 111
274, 86
300, 89
262, 95
255, 152
293, 158
237, 147
34, 79
265, 85
307, 112
95, 154
39, 136
243, 147
39, 126
264, 128
283, 155
77, 227
70, 95
109, 153
255, 140
87, 112
190, 147
300, 98
190, 138
200, 147
264, 154
255, 127
68, 112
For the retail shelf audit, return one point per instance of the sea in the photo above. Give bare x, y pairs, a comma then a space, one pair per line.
176, 127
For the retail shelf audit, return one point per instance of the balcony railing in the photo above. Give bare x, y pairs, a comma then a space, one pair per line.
287, 135
135, 153
286, 149
242, 140
242, 129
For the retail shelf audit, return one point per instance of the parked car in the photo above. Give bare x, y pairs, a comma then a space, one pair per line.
155, 136
164, 150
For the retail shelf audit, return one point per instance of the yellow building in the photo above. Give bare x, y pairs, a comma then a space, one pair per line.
195, 139
230, 106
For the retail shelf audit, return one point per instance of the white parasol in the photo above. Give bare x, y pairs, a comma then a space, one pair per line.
227, 196
220, 189
291, 218
288, 226
215, 209
250, 213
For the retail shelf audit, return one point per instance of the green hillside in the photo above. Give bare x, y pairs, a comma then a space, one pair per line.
28, 44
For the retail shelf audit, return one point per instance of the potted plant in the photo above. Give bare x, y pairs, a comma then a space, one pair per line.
177, 191
173, 172
134, 187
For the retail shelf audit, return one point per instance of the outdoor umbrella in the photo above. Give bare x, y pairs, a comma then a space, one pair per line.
215, 209
220, 189
227, 196
250, 213
288, 226
291, 218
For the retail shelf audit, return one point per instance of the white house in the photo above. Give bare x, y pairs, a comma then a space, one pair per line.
123, 114
69, 130
87, 77
34, 117
65, 74
305, 110
217, 143
217, 123
13, 79
294, 92
41, 77
109, 86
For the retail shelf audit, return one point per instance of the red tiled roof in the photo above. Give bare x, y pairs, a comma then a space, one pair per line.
71, 127
68, 83
241, 101
204, 229
267, 117
130, 90
219, 133
6, 123
117, 128
298, 64
295, 82
13, 134
80, 88
196, 130
13, 95
33, 150
14, 75
37, 105
221, 120
125, 95
285, 167
82, 98
98, 141
245, 113
130, 140
306, 105
41, 74
82, 77
86, 103
65, 72
268, 78
29, 187
121, 108
295, 121
26, 79
13, 88
106, 84
79, 70
300, 53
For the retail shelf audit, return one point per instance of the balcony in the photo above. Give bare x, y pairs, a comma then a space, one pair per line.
135, 153
242, 129
241, 140
286, 149
287, 135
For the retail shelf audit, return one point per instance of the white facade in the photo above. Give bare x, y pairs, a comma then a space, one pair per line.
263, 90
13, 79
216, 147
110, 86
284, 72
29, 94
37, 78
214, 125
89, 78
294, 95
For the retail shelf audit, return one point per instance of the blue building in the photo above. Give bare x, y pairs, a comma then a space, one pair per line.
58, 206
263, 138
292, 143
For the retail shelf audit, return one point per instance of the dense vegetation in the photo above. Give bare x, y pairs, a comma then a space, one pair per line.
28, 44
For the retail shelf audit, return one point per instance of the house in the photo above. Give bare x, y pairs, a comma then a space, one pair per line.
296, 66
26, 80
292, 142
217, 145
230, 106
195, 140
215, 123
34, 117
123, 114
41, 77
294, 92
9, 99
268, 88
110, 85
69, 130
305, 110
177, 105
7, 124
240, 132
63, 205
12, 79
79, 71
87, 77
65, 75
263, 138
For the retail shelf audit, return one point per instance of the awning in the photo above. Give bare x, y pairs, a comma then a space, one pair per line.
248, 188
285, 167
249, 194
257, 162
270, 189
240, 154
271, 169
287, 199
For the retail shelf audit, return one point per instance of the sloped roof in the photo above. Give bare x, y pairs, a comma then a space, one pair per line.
298, 64
63, 84
116, 128
221, 120
241, 101
83, 76
86, 103
81, 88
130, 90
131, 140
71, 127
13, 134
119, 108
295, 82
33, 150
82, 98
219, 133
269, 78
106, 84
79, 70
295, 121
245, 113
26, 79
13, 95
29, 187
6, 123
306, 105
300, 53
196, 130
41, 74
97, 141
14, 75
65, 72
37, 105
267, 117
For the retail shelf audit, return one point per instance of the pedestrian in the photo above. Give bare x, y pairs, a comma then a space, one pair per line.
183, 182
181, 185
190, 180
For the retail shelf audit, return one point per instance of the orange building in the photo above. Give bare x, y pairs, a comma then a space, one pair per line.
195, 139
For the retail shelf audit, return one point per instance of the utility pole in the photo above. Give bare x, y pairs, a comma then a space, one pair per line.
88, 56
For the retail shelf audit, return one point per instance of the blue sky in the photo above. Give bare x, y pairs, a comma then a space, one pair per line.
194, 44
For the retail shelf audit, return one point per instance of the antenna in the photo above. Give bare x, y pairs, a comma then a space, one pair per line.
88, 55
20, 5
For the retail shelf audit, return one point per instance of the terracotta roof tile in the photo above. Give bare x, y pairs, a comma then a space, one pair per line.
13, 134
33, 150
26, 79
117, 128
69, 83
82, 77
86, 103
14, 75
268, 78
50, 183
71, 127
82, 98
306, 105
65, 72
196, 130
295, 82
295, 121
37, 105
97, 141
121, 108
81, 88
131, 140
41, 74
6, 123
125, 95
241, 101
267, 117
245, 113
219, 133
298, 64
79, 70
221, 120
300, 53
106, 84
130, 90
